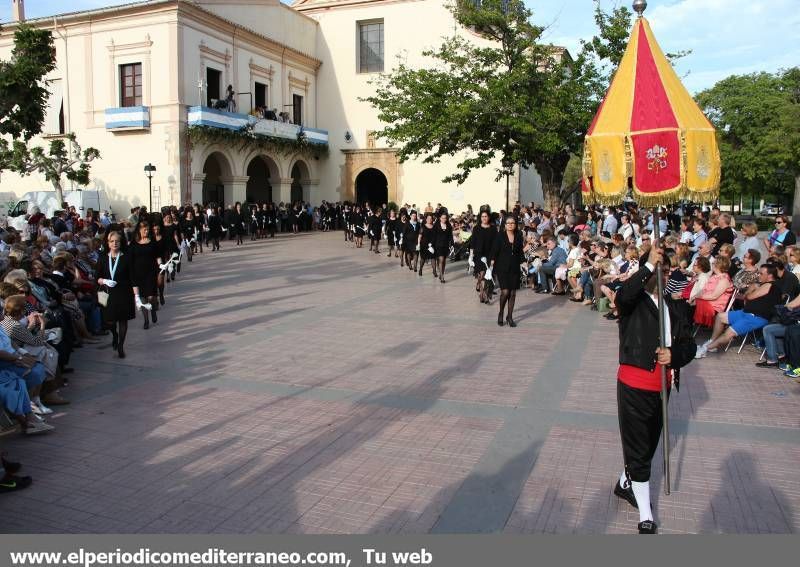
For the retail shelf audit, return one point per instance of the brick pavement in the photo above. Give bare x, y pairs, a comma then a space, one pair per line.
301, 386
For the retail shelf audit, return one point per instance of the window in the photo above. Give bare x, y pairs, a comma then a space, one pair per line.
297, 104
213, 81
261, 95
54, 112
370, 47
130, 84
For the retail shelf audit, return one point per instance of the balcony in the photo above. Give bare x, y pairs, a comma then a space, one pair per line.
127, 118
213, 118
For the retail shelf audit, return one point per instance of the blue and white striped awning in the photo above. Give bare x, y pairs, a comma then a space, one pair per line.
131, 117
204, 116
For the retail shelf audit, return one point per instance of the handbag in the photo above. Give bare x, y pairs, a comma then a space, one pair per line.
102, 298
787, 316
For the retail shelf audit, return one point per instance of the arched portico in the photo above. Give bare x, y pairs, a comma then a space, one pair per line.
263, 179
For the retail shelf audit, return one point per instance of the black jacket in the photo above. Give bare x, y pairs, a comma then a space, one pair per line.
507, 257
638, 327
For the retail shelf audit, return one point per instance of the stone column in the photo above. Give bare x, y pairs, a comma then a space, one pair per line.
197, 187
235, 189
284, 188
311, 190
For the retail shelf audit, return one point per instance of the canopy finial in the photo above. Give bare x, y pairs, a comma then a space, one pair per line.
639, 6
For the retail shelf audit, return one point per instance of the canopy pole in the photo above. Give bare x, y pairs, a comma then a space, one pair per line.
662, 343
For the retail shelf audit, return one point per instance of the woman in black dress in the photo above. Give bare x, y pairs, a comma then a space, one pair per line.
158, 238
199, 228
375, 230
480, 252
507, 256
411, 241
238, 223
357, 220
115, 276
172, 244
442, 242
391, 233
215, 228
426, 240
270, 220
145, 259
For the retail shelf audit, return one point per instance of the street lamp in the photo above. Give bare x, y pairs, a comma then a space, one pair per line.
148, 171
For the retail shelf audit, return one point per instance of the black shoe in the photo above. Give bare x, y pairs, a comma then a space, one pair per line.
542, 290
648, 527
767, 364
146, 325
114, 344
161, 300
626, 494
155, 317
121, 353
10, 467
500, 320
511, 322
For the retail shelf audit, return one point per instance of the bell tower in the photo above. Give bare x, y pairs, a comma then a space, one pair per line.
18, 10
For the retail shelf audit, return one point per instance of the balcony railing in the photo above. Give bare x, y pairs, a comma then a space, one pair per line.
213, 118
128, 118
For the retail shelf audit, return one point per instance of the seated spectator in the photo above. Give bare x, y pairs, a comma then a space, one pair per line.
678, 280
760, 301
27, 368
781, 236
773, 340
715, 295
748, 240
556, 256
748, 275
787, 282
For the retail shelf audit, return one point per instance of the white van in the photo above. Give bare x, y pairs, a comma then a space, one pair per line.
48, 204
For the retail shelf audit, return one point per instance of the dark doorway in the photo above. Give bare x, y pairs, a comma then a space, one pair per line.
213, 81
213, 186
299, 181
259, 188
372, 187
297, 109
261, 95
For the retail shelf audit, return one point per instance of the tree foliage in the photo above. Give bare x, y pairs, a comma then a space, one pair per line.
757, 118
58, 161
510, 98
23, 91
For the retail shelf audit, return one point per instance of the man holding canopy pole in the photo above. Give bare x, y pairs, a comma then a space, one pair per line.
639, 378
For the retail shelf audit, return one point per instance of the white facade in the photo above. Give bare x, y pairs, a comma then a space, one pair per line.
303, 59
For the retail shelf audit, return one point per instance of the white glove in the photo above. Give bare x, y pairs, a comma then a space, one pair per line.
483, 259
417, 247
139, 303
109, 283
430, 248
488, 276
471, 262
162, 267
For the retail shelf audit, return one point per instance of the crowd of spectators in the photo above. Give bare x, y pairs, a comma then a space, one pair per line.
49, 277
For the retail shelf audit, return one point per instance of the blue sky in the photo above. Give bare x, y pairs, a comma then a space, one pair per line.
727, 36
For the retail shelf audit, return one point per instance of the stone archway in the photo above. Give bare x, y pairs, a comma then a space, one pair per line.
383, 160
301, 181
262, 178
217, 172
372, 187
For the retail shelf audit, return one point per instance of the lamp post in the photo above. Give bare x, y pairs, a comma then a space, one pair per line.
148, 171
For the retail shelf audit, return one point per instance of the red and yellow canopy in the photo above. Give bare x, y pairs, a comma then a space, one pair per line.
649, 130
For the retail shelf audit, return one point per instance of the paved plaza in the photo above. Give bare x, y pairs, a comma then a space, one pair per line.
301, 386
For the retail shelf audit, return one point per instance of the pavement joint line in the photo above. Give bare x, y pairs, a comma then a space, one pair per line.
544, 412
486, 498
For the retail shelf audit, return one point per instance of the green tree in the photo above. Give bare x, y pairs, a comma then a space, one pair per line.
59, 161
757, 118
514, 97
23, 90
